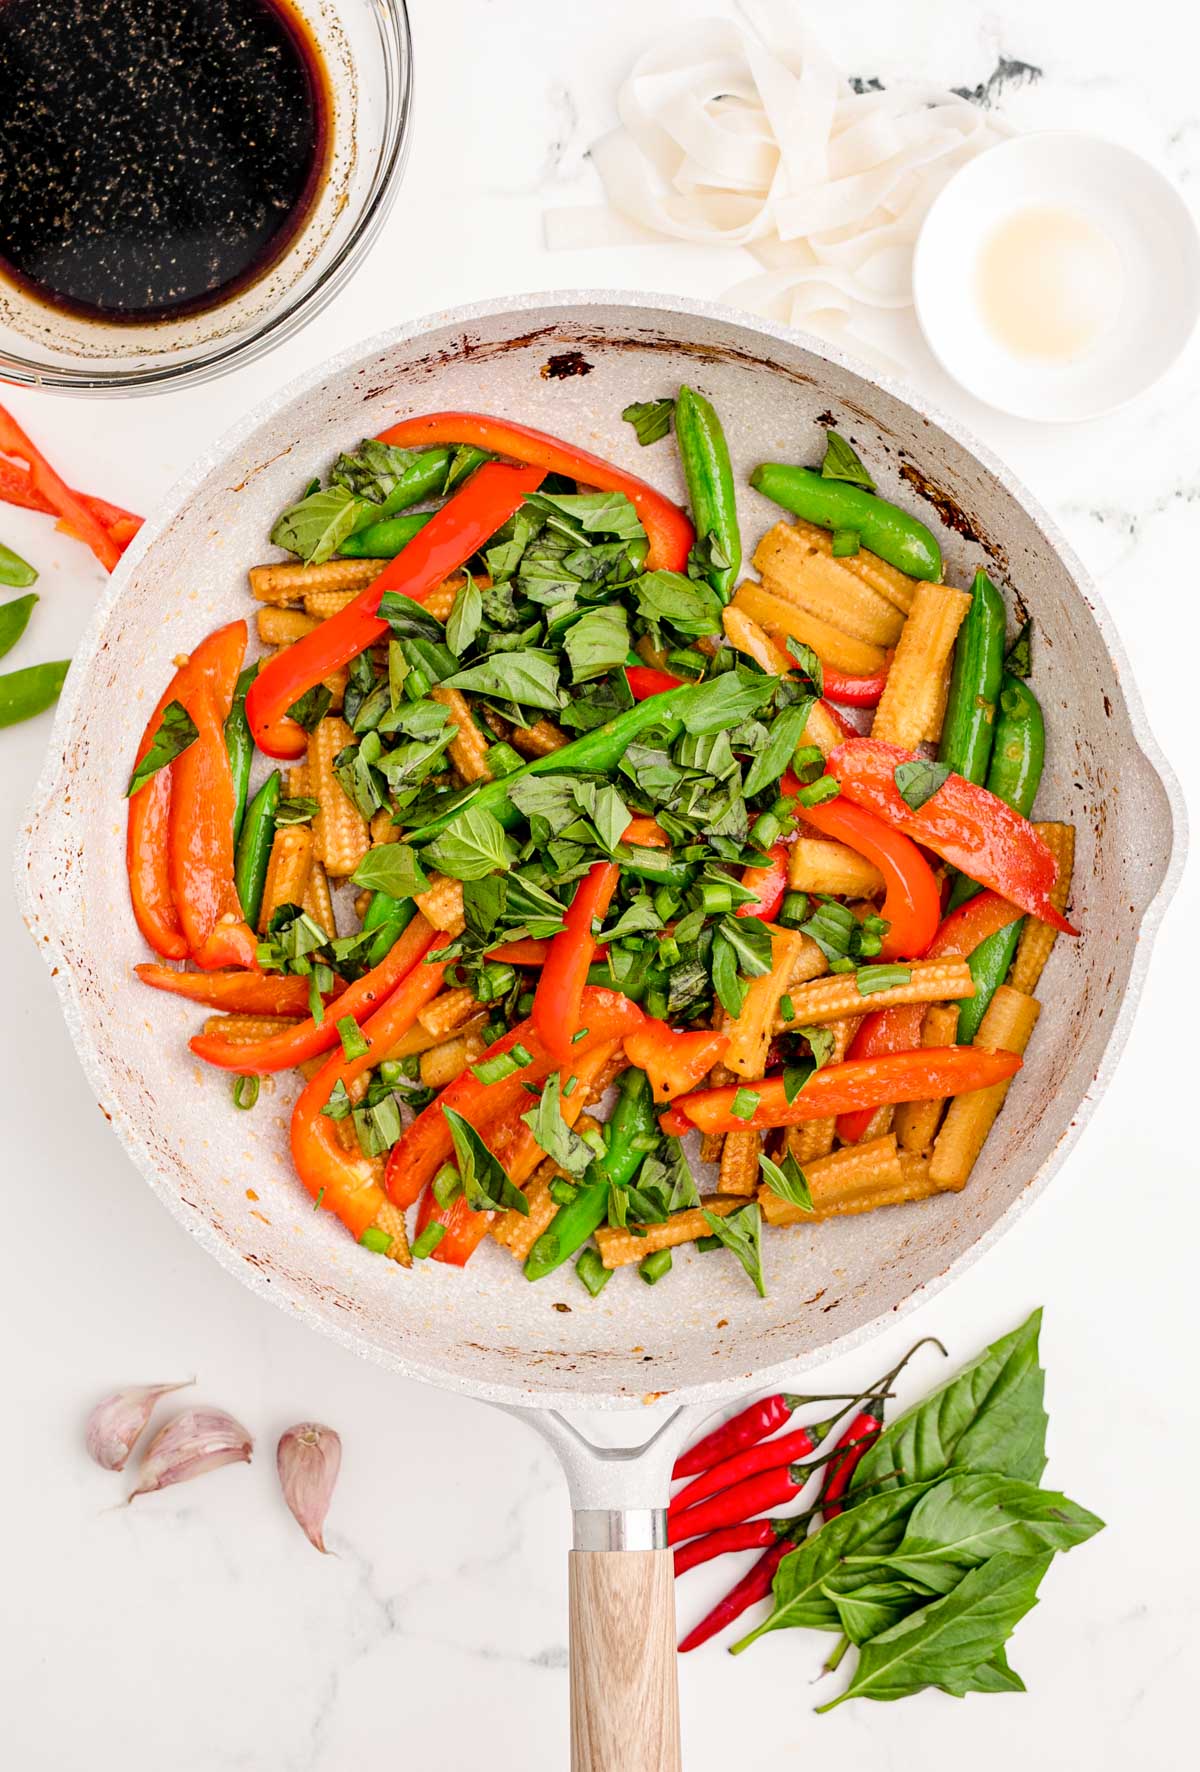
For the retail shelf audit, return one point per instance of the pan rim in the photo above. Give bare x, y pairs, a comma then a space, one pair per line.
38, 911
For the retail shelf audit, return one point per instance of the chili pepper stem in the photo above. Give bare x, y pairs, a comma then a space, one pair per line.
834, 1659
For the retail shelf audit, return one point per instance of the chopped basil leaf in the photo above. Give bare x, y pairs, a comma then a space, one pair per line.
841, 462
812, 677
822, 1043
245, 1092
880, 978
394, 868
786, 731
471, 845
593, 513
176, 731
795, 1076
919, 781
315, 528
312, 707
651, 419
301, 810
408, 619
551, 1131
691, 607
741, 1232
787, 1181
529, 678
350, 1034
1019, 658
378, 1126
462, 623
725, 701
485, 1183
339, 1106
597, 643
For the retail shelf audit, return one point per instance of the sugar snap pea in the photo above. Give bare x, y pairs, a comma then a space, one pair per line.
704, 455
988, 966
28, 692
240, 745
14, 619
968, 728
383, 539
15, 571
884, 528
254, 847
1018, 754
387, 918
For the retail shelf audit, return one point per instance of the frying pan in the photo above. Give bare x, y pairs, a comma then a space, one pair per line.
586, 1371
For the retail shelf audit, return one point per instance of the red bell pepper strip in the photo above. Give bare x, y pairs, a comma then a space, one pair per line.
464, 523
966, 825
854, 692
899, 1029
17, 488
54, 490
149, 809
674, 1062
465, 1228
241, 993
647, 832
526, 952
668, 530
345, 1182
200, 828
644, 681
840, 721
212, 667
292, 1046
912, 903
426, 1144
560, 988
901, 1076
768, 884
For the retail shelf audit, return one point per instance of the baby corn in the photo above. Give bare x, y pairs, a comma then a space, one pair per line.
443, 904
340, 835
468, 748
619, 1247
915, 687
818, 864
916, 1122
839, 1183
795, 567
292, 582
1006, 1027
287, 871
739, 1163
834, 998
1037, 939
766, 606
814, 1138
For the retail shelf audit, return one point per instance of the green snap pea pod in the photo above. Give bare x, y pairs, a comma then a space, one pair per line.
239, 743
704, 455
989, 966
597, 752
388, 917
630, 1126
1018, 753
884, 528
383, 539
424, 478
26, 693
14, 570
254, 847
14, 619
969, 725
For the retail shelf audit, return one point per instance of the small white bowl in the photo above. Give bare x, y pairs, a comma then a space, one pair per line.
1141, 281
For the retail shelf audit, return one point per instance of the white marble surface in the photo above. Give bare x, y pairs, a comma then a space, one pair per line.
198, 1630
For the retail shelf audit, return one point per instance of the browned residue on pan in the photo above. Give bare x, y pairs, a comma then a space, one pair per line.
564, 364
951, 512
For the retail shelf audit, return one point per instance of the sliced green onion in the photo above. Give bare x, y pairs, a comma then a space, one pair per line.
492, 1070
817, 792
428, 1240
787, 1009
562, 1191
447, 1185
793, 910
494, 980
845, 543
653, 1267
376, 1240
808, 761
704, 1244
715, 897
245, 1092
592, 1271
353, 1044
502, 760
766, 830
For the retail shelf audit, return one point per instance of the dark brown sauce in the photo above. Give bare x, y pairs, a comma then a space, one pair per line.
156, 156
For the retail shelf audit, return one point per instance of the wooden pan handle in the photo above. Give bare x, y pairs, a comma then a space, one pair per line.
624, 1689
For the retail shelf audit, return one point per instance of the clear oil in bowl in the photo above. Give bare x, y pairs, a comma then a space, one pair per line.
1049, 283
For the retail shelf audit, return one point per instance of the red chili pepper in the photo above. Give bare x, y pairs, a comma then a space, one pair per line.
673, 1062
765, 1456
755, 1495
146, 849
344, 1182
854, 692
54, 490
465, 1229
755, 1585
746, 1428
856, 1442
451, 536
901, 1076
644, 681
309, 1038
668, 530
426, 1144
911, 903
966, 825
768, 885
749, 1535
242, 993
560, 989
200, 821
899, 1029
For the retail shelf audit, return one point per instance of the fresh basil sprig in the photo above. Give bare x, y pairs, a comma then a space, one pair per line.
176, 731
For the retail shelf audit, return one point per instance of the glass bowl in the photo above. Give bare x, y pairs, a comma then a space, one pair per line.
367, 49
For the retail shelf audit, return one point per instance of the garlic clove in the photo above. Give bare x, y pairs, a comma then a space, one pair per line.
115, 1424
197, 1441
308, 1459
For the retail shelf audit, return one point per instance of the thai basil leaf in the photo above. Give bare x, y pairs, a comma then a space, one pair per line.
300, 810
394, 868
750, 940
408, 619
462, 624
311, 708
841, 463
865, 1611
919, 781
486, 1186
741, 1232
948, 1640
595, 513
812, 677
787, 729
787, 1181
975, 1515
176, 731
315, 528
730, 987
651, 419
552, 1133
692, 608
597, 643
727, 700
528, 678
471, 845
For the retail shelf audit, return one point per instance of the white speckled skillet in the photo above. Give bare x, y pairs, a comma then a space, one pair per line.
569, 363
